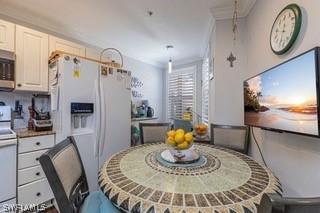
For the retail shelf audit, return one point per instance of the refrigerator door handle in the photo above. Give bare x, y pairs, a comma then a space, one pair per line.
103, 120
98, 119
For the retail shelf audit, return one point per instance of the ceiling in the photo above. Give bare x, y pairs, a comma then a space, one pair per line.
126, 24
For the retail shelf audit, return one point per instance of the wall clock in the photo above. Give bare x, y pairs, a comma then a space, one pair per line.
285, 29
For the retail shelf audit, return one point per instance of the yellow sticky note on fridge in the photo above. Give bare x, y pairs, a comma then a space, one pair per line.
76, 73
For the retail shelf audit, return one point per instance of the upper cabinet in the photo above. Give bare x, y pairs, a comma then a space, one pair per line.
66, 46
6, 36
32, 60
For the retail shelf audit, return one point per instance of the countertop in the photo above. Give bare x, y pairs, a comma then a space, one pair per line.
144, 119
25, 133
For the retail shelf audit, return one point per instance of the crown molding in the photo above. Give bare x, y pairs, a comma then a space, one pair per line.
221, 13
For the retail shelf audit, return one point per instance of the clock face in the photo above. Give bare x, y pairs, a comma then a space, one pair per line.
285, 29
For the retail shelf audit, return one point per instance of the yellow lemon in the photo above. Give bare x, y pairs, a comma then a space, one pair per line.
179, 138
183, 145
171, 133
170, 141
180, 131
188, 137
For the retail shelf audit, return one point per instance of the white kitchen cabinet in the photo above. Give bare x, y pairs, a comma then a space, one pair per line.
5, 206
36, 143
29, 159
7, 31
36, 192
33, 186
32, 60
65, 46
30, 174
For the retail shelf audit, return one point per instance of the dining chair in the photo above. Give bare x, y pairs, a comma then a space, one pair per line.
274, 203
64, 170
182, 124
153, 132
232, 137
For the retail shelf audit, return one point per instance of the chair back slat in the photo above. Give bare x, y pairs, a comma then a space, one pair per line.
233, 137
65, 173
153, 132
274, 203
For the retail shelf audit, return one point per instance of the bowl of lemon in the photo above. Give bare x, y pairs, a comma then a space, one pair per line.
179, 139
201, 130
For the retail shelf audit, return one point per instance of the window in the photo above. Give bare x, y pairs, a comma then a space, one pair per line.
205, 87
181, 89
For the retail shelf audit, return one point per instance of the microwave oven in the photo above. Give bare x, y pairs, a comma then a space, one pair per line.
7, 70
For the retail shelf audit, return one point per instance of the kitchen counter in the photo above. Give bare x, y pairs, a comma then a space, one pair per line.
144, 119
25, 133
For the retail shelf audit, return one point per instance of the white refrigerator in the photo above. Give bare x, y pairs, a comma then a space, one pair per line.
101, 131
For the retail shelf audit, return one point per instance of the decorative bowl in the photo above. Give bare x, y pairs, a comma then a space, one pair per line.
179, 140
201, 130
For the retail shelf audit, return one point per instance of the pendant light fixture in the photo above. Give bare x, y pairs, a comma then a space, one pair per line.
169, 47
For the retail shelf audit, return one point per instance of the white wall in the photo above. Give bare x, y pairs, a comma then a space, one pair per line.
226, 90
152, 78
294, 159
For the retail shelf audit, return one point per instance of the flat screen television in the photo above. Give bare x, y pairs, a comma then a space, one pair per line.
285, 98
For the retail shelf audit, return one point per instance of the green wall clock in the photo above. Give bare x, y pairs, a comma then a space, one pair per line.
285, 29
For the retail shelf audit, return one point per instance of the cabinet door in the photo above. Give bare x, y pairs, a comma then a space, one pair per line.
32, 60
65, 46
6, 36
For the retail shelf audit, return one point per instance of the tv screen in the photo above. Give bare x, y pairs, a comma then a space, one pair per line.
285, 97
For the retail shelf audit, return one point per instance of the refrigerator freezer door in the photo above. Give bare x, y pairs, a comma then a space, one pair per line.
117, 113
79, 88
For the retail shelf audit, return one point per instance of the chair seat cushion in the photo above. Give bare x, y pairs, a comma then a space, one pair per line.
97, 202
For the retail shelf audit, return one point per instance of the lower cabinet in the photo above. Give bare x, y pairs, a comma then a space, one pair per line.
33, 187
30, 174
35, 192
7, 205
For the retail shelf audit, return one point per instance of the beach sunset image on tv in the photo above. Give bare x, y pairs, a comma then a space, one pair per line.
285, 97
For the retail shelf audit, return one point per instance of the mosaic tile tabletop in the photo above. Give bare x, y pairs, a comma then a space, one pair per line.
227, 182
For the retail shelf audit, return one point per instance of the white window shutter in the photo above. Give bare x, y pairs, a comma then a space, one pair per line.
205, 88
181, 88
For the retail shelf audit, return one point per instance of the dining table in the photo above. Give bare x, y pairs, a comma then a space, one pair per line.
138, 179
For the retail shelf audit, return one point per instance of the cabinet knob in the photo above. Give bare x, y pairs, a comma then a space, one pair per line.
38, 194
19, 85
37, 159
38, 143
38, 173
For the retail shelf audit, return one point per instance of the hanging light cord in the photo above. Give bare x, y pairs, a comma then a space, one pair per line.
256, 142
235, 20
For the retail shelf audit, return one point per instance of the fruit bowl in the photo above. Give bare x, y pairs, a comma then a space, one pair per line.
201, 130
179, 140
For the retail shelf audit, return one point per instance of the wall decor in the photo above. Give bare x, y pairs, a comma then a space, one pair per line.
285, 29
136, 83
231, 59
136, 94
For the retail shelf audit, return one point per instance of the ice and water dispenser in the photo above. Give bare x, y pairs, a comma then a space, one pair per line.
82, 116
